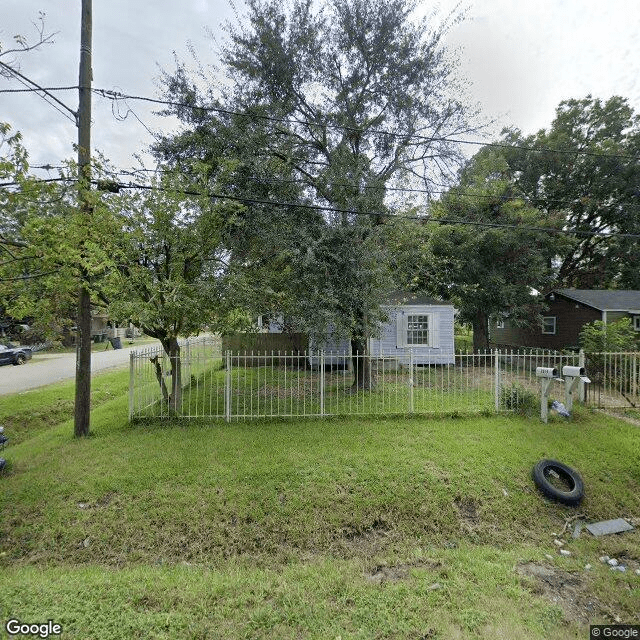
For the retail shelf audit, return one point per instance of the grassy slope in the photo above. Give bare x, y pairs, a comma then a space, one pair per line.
27, 414
311, 529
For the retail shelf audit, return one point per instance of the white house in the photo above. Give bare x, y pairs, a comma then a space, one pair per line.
421, 325
418, 323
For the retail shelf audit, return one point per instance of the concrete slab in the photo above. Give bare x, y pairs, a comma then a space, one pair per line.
606, 527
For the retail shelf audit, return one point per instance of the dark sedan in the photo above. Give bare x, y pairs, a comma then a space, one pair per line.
14, 355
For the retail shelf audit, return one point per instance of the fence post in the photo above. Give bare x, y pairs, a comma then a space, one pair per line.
132, 379
227, 388
410, 380
497, 379
581, 387
634, 376
321, 354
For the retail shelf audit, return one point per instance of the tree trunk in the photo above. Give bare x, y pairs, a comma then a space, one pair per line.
363, 377
480, 331
172, 349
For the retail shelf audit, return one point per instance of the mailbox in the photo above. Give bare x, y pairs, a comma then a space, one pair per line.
573, 372
546, 372
573, 377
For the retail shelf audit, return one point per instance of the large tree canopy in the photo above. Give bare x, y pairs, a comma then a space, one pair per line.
486, 254
344, 101
585, 167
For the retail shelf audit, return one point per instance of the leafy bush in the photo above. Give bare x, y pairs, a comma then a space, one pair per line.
614, 337
519, 400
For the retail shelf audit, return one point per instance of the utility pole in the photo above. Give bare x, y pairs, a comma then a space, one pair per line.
82, 119
83, 342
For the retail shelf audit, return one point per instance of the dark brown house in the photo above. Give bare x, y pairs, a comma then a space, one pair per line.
568, 311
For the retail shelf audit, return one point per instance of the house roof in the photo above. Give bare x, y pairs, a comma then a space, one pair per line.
604, 299
407, 298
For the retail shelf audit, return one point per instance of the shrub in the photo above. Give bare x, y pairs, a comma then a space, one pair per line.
614, 337
519, 400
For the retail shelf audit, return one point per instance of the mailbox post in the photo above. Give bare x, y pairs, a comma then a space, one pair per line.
572, 376
547, 375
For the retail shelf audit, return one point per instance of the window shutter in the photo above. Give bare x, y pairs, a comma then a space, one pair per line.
401, 338
434, 330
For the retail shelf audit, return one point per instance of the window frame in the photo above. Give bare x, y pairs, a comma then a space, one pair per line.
555, 325
636, 323
402, 328
429, 329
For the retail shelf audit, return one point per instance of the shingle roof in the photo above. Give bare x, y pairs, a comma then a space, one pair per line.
604, 299
405, 297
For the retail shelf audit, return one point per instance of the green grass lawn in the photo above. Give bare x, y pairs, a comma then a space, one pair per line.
350, 528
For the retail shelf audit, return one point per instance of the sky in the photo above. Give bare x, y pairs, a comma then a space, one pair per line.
519, 60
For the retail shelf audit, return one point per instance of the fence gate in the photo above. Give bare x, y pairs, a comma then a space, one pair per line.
614, 378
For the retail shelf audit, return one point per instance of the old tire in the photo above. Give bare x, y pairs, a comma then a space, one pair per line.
559, 482
20, 359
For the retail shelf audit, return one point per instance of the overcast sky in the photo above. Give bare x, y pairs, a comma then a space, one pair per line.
520, 59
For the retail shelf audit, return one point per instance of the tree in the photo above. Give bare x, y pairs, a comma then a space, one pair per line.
485, 254
176, 273
585, 168
349, 99
48, 247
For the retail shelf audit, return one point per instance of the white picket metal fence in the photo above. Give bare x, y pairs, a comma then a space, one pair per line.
249, 385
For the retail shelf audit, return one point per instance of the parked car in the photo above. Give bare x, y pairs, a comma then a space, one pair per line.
10, 354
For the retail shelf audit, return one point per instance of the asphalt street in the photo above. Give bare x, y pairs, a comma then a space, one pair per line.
46, 368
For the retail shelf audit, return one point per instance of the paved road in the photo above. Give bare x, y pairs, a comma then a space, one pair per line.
46, 368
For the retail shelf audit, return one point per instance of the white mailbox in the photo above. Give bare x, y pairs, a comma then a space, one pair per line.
547, 375
573, 372
573, 376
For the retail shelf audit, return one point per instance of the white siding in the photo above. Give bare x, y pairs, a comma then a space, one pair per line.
392, 342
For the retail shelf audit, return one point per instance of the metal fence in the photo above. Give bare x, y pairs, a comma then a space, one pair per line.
230, 385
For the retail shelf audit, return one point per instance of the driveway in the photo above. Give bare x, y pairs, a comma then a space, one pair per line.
46, 368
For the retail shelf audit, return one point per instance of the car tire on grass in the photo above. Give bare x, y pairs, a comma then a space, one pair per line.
20, 359
559, 482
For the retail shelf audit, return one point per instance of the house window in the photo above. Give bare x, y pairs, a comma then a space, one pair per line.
500, 324
549, 325
417, 330
636, 323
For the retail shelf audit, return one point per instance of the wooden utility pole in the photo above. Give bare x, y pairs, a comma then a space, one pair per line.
83, 340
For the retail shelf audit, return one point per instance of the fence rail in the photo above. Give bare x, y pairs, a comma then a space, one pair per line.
232, 385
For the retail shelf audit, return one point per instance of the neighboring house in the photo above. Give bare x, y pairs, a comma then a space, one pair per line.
102, 328
421, 324
568, 311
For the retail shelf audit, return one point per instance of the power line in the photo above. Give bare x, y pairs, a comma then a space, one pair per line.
34, 89
47, 97
453, 190
478, 196
39, 181
116, 95
424, 219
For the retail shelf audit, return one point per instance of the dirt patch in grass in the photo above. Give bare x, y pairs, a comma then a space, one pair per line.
567, 590
632, 416
468, 510
384, 573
